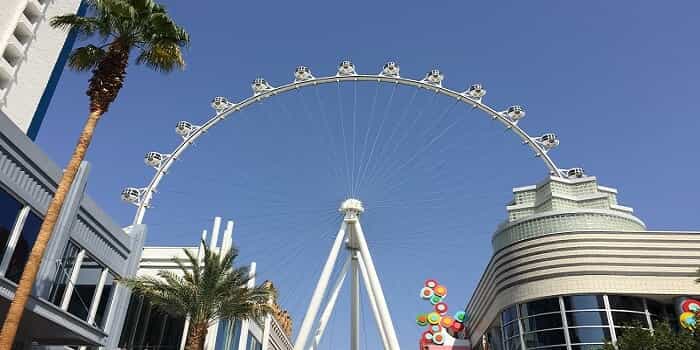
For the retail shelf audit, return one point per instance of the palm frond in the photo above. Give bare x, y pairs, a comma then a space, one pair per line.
86, 57
82, 25
164, 57
206, 292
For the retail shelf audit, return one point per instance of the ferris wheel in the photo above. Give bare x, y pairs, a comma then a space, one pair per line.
359, 263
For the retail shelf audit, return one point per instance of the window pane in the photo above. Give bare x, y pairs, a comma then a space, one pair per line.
655, 308
133, 313
587, 347
587, 318
228, 335
173, 333
509, 314
24, 246
553, 337
105, 301
63, 272
511, 330
623, 302
589, 335
514, 344
630, 319
582, 302
9, 207
539, 306
156, 326
84, 288
537, 323
494, 336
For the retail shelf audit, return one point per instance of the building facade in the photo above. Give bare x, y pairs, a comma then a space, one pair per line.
146, 327
572, 269
75, 300
33, 57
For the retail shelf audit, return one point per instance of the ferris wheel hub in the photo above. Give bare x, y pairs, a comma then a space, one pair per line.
351, 206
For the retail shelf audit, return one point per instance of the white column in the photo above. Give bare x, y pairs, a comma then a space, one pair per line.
243, 340
215, 234
200, 251
320, 290
376, 287
185, 330
328, 310
97, 296
227, 241
266, 332
373, 303
70, 284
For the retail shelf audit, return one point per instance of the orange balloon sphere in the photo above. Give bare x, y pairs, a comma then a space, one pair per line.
447, 321
440, 290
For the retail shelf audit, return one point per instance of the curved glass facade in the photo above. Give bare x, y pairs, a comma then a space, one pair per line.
573, 322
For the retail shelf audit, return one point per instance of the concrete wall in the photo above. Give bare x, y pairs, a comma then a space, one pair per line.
23, 81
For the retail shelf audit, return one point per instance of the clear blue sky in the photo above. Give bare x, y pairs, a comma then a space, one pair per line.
617, 81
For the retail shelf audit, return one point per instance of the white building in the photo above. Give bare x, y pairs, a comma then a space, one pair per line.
33, 57
147, 328
572, 269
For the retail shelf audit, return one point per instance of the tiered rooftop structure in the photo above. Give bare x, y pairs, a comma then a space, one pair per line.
563, 204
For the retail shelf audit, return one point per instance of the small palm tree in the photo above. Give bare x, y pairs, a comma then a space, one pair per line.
206, 292
123, 26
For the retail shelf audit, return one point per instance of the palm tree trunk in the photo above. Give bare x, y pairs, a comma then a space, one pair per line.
196, 336
26, 283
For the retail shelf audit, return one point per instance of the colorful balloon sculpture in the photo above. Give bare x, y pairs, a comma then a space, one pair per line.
691, 312
440, 324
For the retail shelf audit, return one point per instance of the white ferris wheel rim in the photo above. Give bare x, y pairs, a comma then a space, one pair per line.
145, 194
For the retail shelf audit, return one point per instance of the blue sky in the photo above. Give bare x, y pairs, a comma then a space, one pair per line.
615, 81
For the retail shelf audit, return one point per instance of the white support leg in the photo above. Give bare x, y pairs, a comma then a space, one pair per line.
320, 290
376, 287
355, 302
333, 297
373, 304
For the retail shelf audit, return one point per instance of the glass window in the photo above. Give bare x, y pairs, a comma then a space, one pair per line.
156, 327
228, 335
105, 301
495, 338
24, 245
84, 288
544, 338
63, 272
173, 333
9, 208
623, 302
630, 319
587, 318
133, 313
589, 335
511, 330
509, 314
253, 343
587, 347
655, 307
514, 344
583, 302
536, 323
539, 307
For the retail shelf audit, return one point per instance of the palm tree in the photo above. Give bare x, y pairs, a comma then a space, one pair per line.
122, 26
205, 292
